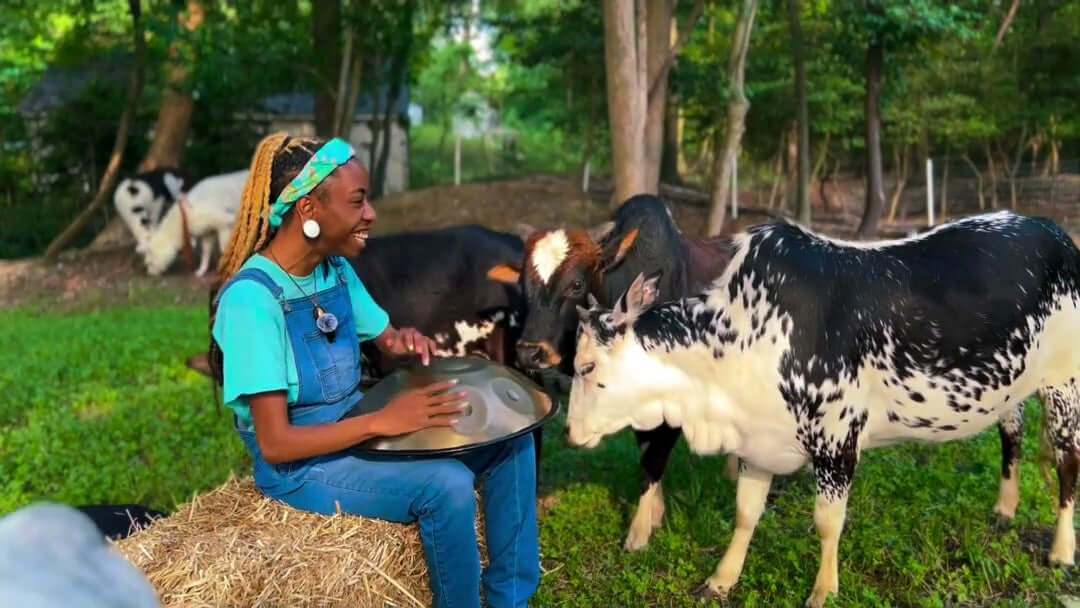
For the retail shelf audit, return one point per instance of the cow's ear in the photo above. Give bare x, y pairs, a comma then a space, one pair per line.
615, 250
504, 273
641, 295
600, 232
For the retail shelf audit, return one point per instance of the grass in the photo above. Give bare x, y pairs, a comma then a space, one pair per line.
97, 406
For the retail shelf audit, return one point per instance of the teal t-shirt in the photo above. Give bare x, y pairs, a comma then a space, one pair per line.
250, 329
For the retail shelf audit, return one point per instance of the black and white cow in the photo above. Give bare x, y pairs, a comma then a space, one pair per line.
143, 199
808, 350
437, 281
561, 267
205, 213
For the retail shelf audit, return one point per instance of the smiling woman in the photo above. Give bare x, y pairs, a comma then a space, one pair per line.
287, 323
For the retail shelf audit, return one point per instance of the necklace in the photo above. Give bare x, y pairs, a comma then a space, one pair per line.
325, 321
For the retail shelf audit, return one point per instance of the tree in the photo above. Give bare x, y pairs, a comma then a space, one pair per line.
112, 170
875, 193
177, 104
802, 194
326, 38
636, 94
738, 106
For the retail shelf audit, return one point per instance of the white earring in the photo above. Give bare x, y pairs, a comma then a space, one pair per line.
311, 229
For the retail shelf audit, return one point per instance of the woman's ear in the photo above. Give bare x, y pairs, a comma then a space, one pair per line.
305, 207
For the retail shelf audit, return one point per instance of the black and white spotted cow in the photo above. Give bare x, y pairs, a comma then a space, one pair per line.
808, 350
561, 267
436, 281
143, 199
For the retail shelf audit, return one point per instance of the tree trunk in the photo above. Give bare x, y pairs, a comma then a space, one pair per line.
875, 194
398, 64
1006, 23
736, 117
626, 97
344, 77
112, 170
802, 187
177, 105
978, 182
991, 169
658, 34
670, 159
902, 167
1021, 144
325, 35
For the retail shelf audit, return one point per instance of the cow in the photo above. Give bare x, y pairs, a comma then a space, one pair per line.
207, 213
436, 281
809, 350
142, 200
562, 267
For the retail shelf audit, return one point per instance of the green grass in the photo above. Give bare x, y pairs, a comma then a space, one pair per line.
98, 407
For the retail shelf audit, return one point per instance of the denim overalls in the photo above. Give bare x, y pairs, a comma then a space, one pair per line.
438, 493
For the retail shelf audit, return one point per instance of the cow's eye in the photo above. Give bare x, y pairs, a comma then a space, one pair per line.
586, 369
576, 288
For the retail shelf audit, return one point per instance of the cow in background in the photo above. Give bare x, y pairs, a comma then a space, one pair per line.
143, 199
562, 267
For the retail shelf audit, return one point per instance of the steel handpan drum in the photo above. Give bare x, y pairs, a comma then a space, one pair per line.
502, 404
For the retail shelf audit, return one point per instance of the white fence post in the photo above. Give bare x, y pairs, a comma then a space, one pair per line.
457, 160
929, 191
734, 187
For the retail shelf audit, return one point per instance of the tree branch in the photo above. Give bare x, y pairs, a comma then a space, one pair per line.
1005, 24
112, 171
684, 36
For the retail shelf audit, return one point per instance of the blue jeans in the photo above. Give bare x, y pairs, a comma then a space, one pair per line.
439, 493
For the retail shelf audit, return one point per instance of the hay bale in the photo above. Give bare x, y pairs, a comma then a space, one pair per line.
234, 547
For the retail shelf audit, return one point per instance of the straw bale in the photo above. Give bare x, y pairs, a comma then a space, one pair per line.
234, 547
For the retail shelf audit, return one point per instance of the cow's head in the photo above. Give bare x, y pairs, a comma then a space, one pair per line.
614, 377
561, 267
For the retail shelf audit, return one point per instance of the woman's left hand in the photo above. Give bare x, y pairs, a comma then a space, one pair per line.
409, 341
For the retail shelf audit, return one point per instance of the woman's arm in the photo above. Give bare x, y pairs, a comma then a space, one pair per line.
280, 441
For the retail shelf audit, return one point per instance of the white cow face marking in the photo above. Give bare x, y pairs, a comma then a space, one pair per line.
549, 253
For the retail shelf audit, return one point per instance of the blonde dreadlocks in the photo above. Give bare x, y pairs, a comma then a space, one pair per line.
277, 160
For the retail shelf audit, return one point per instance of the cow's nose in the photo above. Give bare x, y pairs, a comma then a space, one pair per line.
530, 354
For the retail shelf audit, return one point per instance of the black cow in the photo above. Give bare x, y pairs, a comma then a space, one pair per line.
561, 267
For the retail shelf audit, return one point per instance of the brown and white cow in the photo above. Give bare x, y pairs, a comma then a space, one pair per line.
562, 267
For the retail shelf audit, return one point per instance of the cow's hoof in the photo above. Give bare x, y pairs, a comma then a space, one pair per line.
704, 594
636, 541
817, 598
1002, 522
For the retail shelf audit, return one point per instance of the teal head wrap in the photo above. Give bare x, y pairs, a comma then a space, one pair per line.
332, 155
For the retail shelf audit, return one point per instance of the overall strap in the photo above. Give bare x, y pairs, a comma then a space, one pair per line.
259, 276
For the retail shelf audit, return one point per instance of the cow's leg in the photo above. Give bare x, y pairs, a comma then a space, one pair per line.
206, 246
834, 469
1011, 430
751, 490
1063, 420
656, 446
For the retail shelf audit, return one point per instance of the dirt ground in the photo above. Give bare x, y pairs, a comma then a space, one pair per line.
114, 273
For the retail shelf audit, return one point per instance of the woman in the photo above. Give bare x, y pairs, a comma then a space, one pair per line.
286, 330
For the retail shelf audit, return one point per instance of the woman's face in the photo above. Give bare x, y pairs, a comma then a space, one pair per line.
344, 213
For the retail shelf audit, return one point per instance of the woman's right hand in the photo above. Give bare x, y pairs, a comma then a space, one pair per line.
420, 408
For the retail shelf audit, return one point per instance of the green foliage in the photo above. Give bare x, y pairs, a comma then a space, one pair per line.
99, 408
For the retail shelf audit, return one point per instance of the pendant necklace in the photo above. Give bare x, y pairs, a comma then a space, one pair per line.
325, 321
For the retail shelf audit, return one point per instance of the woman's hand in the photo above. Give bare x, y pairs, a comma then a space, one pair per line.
420, 408
407, 341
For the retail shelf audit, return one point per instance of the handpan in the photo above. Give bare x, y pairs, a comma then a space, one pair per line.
501, 404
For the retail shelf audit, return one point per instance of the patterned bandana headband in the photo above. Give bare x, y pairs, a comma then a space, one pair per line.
332, 155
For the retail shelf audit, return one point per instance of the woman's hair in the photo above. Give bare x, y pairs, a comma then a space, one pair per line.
277, 160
